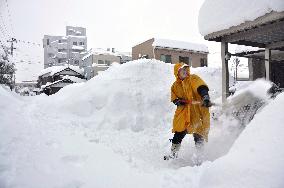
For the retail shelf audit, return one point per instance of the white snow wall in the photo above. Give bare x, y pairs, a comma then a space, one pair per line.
135, 95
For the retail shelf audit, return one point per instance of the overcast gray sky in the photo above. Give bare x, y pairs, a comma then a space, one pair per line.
110, 23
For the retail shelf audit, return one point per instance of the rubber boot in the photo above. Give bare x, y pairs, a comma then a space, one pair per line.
198, 156
174, 150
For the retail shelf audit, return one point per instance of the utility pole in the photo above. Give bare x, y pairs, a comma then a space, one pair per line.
12, 44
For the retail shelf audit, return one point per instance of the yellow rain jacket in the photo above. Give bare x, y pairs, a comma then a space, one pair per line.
191, 117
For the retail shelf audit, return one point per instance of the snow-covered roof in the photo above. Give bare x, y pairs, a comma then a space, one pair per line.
166, 43
100, 51
55, 69
241, 48
88, 54
73, 79
218, 15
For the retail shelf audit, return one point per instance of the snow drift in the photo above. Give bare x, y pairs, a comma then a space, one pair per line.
113, 130
136, 94
257, 157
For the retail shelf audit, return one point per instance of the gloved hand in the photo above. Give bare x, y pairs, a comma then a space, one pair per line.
179, 102
206, 101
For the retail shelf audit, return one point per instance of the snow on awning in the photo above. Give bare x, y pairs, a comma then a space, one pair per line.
77, 47
166, 43
241, 49
217, 15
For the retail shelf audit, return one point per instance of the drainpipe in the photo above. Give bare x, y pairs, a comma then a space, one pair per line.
154, 52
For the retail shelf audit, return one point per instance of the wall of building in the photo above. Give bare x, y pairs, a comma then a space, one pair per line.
175, 54
125, 59
256, 68
51, 46
142, 49
86, 64
107, 59
58, 50
91, 64
99, 68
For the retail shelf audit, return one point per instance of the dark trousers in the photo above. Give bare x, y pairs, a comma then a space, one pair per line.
178, 136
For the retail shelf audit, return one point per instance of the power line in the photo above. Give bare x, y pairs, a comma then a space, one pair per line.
10, 18
4, 27
29, 42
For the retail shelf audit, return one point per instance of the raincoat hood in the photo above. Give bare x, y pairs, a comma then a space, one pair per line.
176, 69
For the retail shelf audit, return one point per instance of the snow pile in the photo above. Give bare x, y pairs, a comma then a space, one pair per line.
124, 96
133, 87
113, 130
217, 15
180, 45
257, 157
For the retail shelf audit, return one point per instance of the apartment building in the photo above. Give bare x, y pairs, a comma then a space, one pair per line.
69, 49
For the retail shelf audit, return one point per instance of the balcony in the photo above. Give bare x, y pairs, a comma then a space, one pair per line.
62, 46
61, 55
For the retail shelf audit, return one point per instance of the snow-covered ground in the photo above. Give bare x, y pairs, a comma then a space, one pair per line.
113, 131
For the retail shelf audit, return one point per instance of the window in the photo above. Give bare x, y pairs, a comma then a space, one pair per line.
59, 41
75, 43
166, 58
60, 50
107, 62
81, 43
203, 62
184, 60
47, 41
101, 62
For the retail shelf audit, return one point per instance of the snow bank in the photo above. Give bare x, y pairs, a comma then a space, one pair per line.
133, 95
7, 98
217, 15
180, 44
257, 157
259, 88
124, 96
113, 130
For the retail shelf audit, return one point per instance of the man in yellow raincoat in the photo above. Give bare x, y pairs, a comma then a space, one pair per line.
190, 94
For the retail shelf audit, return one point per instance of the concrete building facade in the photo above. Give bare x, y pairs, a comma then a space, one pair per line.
69, 49
99, 60
171, 51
